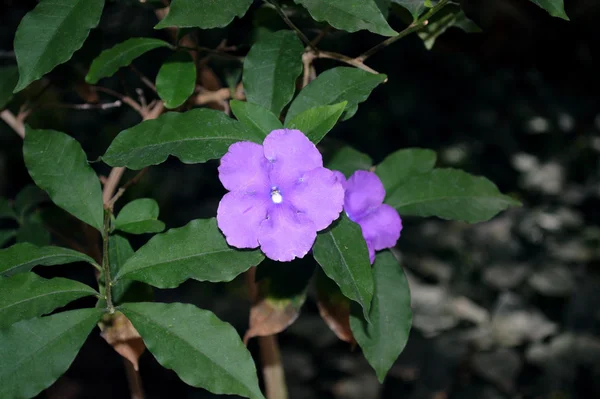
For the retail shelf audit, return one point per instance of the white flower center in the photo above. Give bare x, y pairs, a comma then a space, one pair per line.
276, 196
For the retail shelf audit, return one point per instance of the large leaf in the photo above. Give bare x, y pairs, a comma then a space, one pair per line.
58, 165
139, 216
204, 351
384, 337
449, 194
256, 118
316, 122
556, 8
197, 250
23, 257
403, 164
271, 69
176, 79
9, 75
28, 295
49, 35
342, 252
415, 7
349, 15
109, 61
348, 160
36, 352
193, 137
203, 14
334, 86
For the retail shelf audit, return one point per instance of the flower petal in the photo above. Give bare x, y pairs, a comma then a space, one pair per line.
291, 154
239, 217
319, 195
381, 227
341, 178
286, 234
244, 168
364, 192
371, 251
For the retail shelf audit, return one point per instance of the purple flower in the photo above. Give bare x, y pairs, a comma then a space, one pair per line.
280, 195
380, 223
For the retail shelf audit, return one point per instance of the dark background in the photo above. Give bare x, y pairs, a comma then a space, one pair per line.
503, 309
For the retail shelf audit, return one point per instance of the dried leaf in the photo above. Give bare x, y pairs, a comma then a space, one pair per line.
118, 331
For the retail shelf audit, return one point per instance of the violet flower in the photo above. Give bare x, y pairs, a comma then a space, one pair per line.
279, 195
363, 203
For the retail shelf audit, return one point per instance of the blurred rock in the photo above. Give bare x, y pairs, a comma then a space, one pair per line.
500, 367
364, 386
505, 276
552, 281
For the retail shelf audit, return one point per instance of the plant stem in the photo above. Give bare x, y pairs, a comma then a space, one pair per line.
291, 24
106, 263
272, 368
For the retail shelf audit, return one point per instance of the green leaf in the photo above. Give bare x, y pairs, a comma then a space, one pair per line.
109, 61
6, 236
403, 164
139, 217
36, 352
415, 7
384, 337
27, 295
334, 307
556, 8
9, 75
257, 119
271, 69
49, 35
194, 136
197, 250
384, 7
348, 160
349, 15
204, 351
23, 257
316, 122
334, 86
203, 14
29, 197
450, 16
176, 79
119, 251
449, 194
6, 211
342, 252
33, 231
58, 165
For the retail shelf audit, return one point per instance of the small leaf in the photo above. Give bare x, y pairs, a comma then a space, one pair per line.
58, 165
119, 251
205, 14
271, 69
204, 351
349, 15
334, 307
36, 352
342, 252
21, 258
6, 211
383, 338
403, 164
257, 119
556, 8
450, 16
139, 217
348, 160
27, 295
176, 79
29, 197
449, 194
9, 75
316, 122
197, 250
415, 7
34, 232
6, 236
119, 333
334, 86
49, 35
194, 136
122, 54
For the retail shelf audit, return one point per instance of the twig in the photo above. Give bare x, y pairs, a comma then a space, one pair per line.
307, 60
121, 191
134, 380
210, 51
206, 97
86, 106
126, 99
143, 78
345, 59
285, 18
13, 122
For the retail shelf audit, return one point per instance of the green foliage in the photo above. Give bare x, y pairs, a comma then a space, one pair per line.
348, 160
6, 211
403, 164
23, 257
32, 230
204, 351
139, 217
556, 8
27, 199
50, 34
448, 17
415, 7
6, 236
203, 14
176, 79
316, 122
9, 75
119, 251
257, 119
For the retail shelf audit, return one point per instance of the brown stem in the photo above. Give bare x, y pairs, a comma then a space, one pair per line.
134, 380
348, 60
12, 121
289, 23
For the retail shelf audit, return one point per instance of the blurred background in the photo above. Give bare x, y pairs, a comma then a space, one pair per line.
504, 309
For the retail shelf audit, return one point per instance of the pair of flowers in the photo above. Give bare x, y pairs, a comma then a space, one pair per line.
280, 195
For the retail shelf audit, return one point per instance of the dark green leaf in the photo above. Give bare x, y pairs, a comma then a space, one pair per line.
33, 231
342, 252
121, 55
334, 86
256, 118
316, 122
194, 137
58, 165
49, 35
28, 198
403, 164
384, 337
203, 14
450, 16
6, 236
449, 194
119, 251
23, 257
415, 7
349, 15
348, 160
176, 79
36, 352
204, 351
9, 75
6, 211
556, 8
334, 307
27, 295
139, 217
384, 7
197, 250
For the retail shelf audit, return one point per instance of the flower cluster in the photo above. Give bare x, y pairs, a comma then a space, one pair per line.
280, 196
